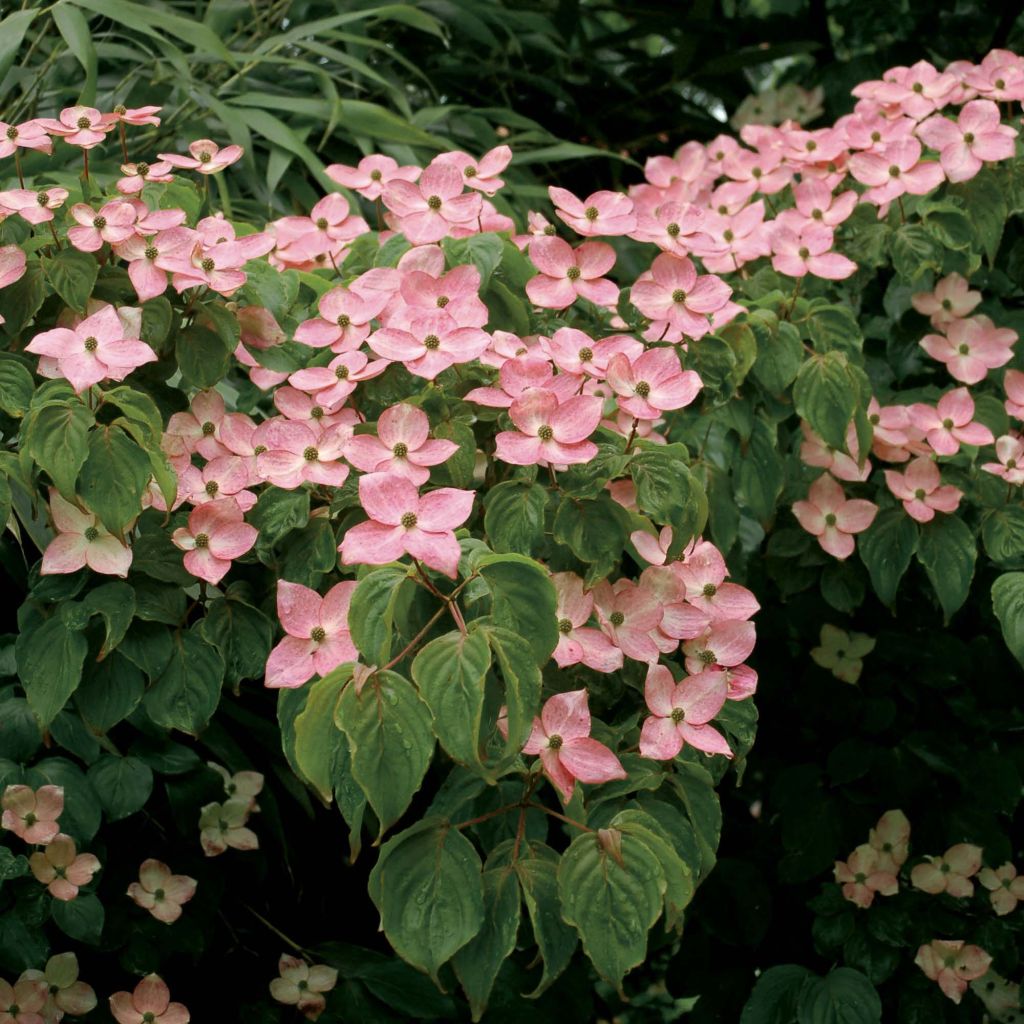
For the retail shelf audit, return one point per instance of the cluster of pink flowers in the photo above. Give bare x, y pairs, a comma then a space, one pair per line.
873, 868
46, 996
223, 825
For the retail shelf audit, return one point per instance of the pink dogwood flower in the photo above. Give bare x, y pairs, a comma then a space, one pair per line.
863, 876
677, 299
952, 965
12, 264
480, 174
575, 353
135, 176
579, 643
80, 126
113, 223
921, 490
971, 347
951, 873
815, 452
28, 135
302, 986
226, 476
61, 868
137, 116
296, 454
561, 736
372, 174
95, 350
1013, 384
150, 1003
629, 615
456, 292
65, 993
949, 300
160, 892
198, 430
205, 156
807, 251
601, 213
82, 540
34, 205
404, 522
1005, 887
402, 445
652, 384
344, 321
1010, 453
333, 383
816, 202
950, 423
23, 1002
550, 433
318, 637
975, 137
216, 534
244, 786
895, 170
725, 643
567, 273
32, 814
223, 826
702, 575
429, 343
680, 713
891, 838
427, 210
833, 518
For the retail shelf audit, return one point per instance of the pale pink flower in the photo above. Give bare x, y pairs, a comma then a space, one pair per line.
135, 176
113, 223
22, 1002
524, 373
150, 1003
65, 994
456, 292
296, 454
95, 350
344, 320
1005, 887
32, 814
480, 174
28, 135
550, 432
223, 826
198, 430
678, 228
797, 252
372, 174
427, 210
833, 518
567, 273
579, 643
680, 713
950, 300
815, 452
137, 116
561, 735
61, 868
1010, 453
759, 171
952, 965
652, 384
975, 137
82, 540
302, 986
745, 235
150, 258
950, 423
297, 405
702, 574
629, 615
971, 347
601, 213
655, 549
895, 170
80, 126
577, 353
915, 91
1013, 383
329, 225
217, 266
951, 873
206, 157
428, 343
999, 76
863, 875
318, 637
160, 892
243, 786
12, 265
726, 643
816, 202
226, 476
891, 838
34, 205
333, 383
403, 522
893, 434
921, 490
402, 445
216, 534
677, 299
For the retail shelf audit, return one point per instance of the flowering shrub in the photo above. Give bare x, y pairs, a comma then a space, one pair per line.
475, 503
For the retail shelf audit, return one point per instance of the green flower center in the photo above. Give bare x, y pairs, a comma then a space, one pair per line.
811, 146
709, 590
12, 132
545, 433
91, 533
99, 222
642, 388
860, 878
341, 372
91, 344
30, 819
83, 122
679, 295
120, 109
830, 519
964, 350
322, 223
318, 635
316, 413
408, 520
756, 172
142, 169
434, 202
202, 540
470, 172
894, 171
947, 423
442, 301
573, 273
728, 235
151, 252
947, 304
591, 213
158, 895
344, 320
208, 265
549, 230
431, 342
817, 214
375, 175
585, 354
400, 450
875, 419
212, 487
673, 229
678, 714
205, 158
259, 449
616, 618
42, 198
564, 626
804, 252
208, 428
555, 742
708, 657
876, 136
310, 454
1011, 463
919, 494
917, 87
968, 137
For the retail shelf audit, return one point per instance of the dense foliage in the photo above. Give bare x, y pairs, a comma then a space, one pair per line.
382, 545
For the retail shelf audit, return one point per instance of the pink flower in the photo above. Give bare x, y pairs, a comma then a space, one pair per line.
32, 814
80, 126
920, 489
402, 445
34, 205
951, 873
372, 174
243, 786
456, 292
652, 384
677, 299
975, 136
832, 518
206, 157
95, 350
726, 643
480, 174
703, 574
114, 222
82, 540
894, 170
891, 838
149, 1003
561, 735
136, 176
971, 347
550, 433
318, 637
814, 452
601, 213
65, 993
567, 273
1010, 453
864, 875
149, 259
61, 868
1013, 383
576, 353
333, 383
344, 320
12, 264
302, 986
579, 643
952, 965
950, 300
629, 616
815, 201
197, 430
678, 228
134, 115
428, 210
403, 522
226, 476
1005, 887
21, 1002
680, 713
950, 423
223, 827
915, 91
806, 251
160, 892
216, 534
29, 135
429, 343
295, 454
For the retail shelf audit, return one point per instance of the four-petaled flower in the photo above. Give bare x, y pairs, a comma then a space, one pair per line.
32, 814
832, 517
149, 1003
160, 892
302, 986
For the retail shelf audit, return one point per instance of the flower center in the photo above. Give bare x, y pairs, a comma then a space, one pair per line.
756, 172
876, 136
208, 428
591, 213
679, 295
318, 635
728, 235
673, 229
99, 222
259, 449
830, 519
555, 742
964, 349
442, 301
205, 158
678, 714
585, 354
408, 520
434, 202
431, 342
564, 626
860, 878
30, 819
919, 494
723, 209
550, 229
142, 169
573, 273
817, 214
83, 122
616, 618
310, 454
344, 320
375, 175
947, 423
316, 413
1011, 463
212, 487
401, 450
1000, 83
341, 372
42, 198
159, 894
917, 87
12, 132
91, 344
322, 223
148, 1017
708, 657
968, 137
875, 419
545, 433
208, 264
642, 388
894, 171
947, 304
202, 540
470, 172
709, 590
91, 533
811, 146
302, 985
151, 252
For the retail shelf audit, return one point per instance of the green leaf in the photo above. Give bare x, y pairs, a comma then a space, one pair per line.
72, 274
380, 596
307, 553
695, 788
522, 682
109, 692
612, 887
843, 996
947, 550
81, 918
595, 530
12, 32
202, 356
483, 251
276, 512
983, 198
780, 352
50, 660
1008, 603
428, 887
123, 785
522, 599
451, 673
774, 998
826, 394
75, 30
16, 387
114, 602
760, 474
187, 692
56, 436
834, 328
668, 492
114, 477
457, 470
388, 729
886, 549
514, 516
19, 302
1003, 535
914, 252
950, 226
243, 634
275, 290
320, 746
